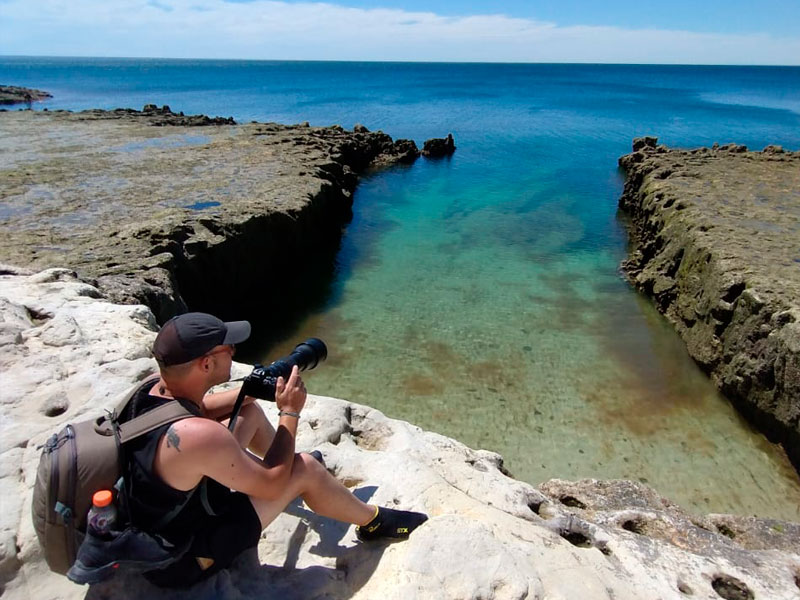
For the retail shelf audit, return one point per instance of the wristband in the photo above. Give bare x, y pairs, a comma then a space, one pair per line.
288, 413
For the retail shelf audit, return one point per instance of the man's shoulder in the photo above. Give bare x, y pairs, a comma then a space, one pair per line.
199, 433
200, 426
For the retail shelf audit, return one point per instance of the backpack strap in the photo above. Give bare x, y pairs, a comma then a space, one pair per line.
152, 419
138, 426
168, 412
132, 392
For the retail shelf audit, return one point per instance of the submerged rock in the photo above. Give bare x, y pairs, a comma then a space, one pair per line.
489, 536
715, 244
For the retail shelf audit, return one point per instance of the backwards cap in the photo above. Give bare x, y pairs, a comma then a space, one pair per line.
189, 336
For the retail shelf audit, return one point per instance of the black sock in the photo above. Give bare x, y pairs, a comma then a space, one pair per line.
391, 523
318, 457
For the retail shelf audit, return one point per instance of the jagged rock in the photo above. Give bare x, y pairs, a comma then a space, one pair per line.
644, 142
715, 244
489, 536
400, 152
436, 147
773, 149
10, 94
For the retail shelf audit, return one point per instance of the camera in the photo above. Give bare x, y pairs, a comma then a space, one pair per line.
260, 383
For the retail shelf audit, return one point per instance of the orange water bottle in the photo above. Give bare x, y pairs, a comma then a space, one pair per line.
103, 514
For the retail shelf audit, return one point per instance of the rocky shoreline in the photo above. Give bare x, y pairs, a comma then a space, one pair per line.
157, 208
67, 354
160, 208
12, 94
715, 238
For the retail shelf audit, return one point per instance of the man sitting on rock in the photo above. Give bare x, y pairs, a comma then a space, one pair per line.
236, 482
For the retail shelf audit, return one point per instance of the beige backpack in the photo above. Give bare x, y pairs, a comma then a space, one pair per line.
79, 460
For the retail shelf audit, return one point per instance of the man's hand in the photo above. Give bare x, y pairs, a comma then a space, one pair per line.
290, 395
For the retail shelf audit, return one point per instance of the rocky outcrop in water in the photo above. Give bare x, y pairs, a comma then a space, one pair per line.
11, 94
438, 147
715, 243
67, 354
169, 210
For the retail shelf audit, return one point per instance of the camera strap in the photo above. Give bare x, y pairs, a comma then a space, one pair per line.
236, 408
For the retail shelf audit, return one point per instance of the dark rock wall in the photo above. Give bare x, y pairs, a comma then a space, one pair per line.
739, 317
270, 263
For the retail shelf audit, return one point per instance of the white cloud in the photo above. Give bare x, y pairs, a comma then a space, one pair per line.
265, 29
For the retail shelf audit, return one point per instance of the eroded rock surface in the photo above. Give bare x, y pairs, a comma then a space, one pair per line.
716, 244
488, 537
168, 210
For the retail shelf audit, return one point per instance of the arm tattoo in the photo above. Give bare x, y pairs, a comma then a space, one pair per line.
173, 441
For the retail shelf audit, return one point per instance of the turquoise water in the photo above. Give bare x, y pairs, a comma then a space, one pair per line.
480, 296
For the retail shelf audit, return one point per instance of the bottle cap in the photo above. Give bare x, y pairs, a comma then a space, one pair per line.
102, 498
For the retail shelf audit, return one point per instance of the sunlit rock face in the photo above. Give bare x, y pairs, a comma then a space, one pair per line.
68, 354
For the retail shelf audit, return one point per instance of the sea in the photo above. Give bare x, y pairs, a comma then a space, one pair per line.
480, 296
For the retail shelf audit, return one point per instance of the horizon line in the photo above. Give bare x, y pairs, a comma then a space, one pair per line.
398, 61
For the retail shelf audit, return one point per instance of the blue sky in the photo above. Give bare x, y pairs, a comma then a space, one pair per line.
644, 31
732, 16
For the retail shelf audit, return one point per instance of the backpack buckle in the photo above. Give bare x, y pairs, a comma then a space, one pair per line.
63, 510
104, 425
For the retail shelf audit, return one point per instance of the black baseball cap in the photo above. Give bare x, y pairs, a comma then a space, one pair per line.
191, 335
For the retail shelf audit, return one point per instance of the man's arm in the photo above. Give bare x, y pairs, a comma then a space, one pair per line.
220, 404
210, 450
199, 447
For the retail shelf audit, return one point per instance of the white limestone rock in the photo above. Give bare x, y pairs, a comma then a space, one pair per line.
488, 536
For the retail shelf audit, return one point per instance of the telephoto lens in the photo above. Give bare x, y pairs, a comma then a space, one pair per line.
306, 355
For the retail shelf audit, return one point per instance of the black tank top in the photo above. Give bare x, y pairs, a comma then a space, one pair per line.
149, 496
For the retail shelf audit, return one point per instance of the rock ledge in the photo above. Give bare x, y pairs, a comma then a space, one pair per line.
715, 243
169, 210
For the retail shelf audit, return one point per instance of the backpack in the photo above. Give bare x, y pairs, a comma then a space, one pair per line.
79, 460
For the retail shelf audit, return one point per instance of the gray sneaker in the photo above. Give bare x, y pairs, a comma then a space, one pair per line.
131, 550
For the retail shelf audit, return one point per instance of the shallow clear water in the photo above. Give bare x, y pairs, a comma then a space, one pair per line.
479, 296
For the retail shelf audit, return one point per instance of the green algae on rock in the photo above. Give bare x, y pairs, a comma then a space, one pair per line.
716, 243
